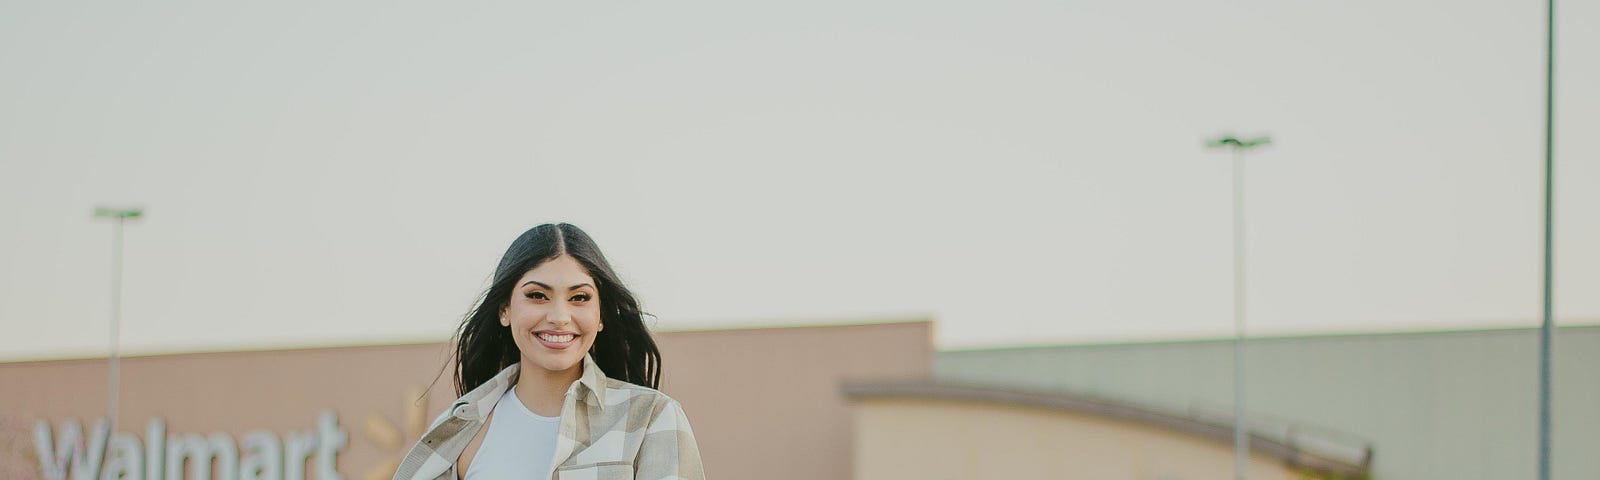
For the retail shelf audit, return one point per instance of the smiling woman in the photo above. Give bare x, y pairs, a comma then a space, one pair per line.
557, 377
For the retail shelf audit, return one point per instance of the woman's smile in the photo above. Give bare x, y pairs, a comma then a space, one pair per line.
554, 340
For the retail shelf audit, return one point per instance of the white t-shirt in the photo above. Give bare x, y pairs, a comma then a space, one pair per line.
519, 444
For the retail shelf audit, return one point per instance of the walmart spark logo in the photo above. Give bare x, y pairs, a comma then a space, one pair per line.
392, 439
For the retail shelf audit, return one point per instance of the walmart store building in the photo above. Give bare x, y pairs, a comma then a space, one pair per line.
865, 401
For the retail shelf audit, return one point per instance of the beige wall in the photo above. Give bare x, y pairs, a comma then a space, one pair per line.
904, 438
764, 403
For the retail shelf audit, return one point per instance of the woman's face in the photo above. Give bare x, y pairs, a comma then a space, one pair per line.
554, 314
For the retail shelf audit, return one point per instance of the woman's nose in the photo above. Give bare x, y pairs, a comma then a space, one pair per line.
559, 315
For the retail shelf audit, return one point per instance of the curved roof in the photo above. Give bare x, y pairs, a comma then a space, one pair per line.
1288, 451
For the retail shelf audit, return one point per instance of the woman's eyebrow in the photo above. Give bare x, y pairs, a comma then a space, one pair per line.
547, 287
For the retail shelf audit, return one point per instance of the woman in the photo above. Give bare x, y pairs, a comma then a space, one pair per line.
556, 375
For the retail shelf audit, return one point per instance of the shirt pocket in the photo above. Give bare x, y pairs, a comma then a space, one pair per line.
597, 471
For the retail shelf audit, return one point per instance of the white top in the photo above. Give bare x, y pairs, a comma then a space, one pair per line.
520, 443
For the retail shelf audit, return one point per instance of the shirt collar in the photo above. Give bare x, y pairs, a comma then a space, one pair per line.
591, 385
594, 380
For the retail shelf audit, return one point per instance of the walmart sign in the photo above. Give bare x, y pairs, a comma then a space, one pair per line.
258, 455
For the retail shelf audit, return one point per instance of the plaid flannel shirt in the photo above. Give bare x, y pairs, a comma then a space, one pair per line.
610, 429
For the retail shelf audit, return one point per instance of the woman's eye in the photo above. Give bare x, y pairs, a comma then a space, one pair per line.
536, 295
582, 297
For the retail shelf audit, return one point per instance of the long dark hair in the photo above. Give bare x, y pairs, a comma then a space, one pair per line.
624, 349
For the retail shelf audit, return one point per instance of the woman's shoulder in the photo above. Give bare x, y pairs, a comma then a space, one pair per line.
628, 391
637, 398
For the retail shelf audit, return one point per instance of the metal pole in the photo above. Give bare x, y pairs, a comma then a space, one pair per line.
1547, 327
116, 321
1241, 446
114, 374
1241, 435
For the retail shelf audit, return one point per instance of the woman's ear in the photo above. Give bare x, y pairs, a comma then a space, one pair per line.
503, 321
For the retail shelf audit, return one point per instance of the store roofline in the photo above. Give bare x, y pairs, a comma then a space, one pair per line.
289, 346
1569, 326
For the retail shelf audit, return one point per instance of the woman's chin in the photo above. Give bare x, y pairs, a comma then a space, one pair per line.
554, 363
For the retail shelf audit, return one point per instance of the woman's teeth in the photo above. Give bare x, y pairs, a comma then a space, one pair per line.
555, 338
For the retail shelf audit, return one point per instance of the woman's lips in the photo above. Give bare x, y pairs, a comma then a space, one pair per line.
556, 341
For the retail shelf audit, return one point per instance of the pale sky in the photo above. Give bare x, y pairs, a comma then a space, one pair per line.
1023, 172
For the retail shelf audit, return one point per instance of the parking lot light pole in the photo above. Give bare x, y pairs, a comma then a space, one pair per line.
121, 216
1237, 147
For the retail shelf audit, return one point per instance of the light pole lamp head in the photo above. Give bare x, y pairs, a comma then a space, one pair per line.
1233, 142
118, 213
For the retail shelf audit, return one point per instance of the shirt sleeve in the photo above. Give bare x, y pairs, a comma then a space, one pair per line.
669, 451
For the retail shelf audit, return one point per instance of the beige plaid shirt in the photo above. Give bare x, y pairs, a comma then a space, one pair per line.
610, 429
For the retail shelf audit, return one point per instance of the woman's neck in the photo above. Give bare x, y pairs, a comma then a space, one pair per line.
543, 390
